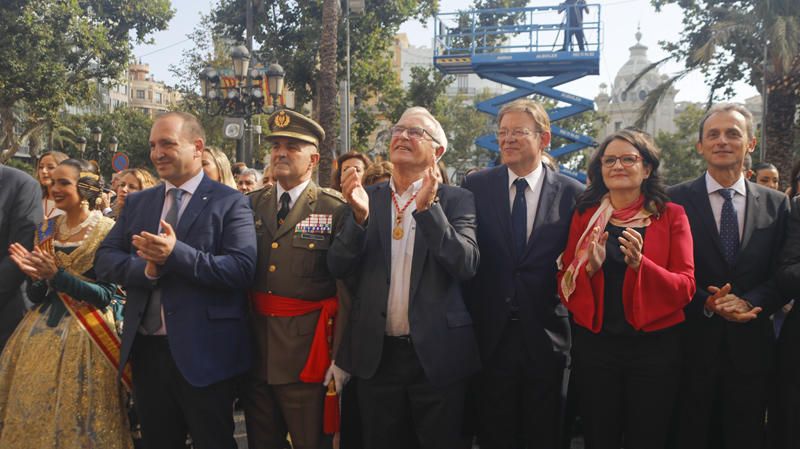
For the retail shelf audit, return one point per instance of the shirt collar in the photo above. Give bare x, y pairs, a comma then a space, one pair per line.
189, 186
294, 192
532, 177
415, 186
712, 185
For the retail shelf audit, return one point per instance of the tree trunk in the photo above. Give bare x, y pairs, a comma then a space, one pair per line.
780, 129
10, 143
327, 88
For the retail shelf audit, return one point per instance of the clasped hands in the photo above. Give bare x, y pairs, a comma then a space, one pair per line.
155, 248
357, 198
729, 306
630, 244
36, 264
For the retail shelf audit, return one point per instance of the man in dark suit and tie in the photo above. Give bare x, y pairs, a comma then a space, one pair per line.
405, 249
738, 230
185, 252
524, 211
20, 214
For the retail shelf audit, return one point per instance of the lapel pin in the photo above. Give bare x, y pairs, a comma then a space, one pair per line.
205, 198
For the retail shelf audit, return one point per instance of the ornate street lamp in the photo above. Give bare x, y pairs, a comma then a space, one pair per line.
242, 95
113, 143
97, 136
80, 142
275, 76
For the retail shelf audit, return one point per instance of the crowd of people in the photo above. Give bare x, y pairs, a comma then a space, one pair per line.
395, 310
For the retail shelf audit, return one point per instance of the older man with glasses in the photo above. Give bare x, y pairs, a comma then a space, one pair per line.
406, 246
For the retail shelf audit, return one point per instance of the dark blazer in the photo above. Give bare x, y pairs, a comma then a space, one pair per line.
20, 214
749, 345
204, 281
530, 278
445, 254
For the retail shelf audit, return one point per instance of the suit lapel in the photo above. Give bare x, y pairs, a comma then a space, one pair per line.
699, 199
301, 209
752, 209
547, 197
153, 224
269, 211
197, 203
418, 260
502, 208
383, 220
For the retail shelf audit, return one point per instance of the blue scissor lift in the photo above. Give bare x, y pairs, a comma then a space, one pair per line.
529, 47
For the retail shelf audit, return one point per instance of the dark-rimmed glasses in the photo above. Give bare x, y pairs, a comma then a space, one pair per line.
627, 160
414, 132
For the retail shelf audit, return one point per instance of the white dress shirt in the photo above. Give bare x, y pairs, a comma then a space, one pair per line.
188, 187
294, 193
402, 257
716, 200
532, 194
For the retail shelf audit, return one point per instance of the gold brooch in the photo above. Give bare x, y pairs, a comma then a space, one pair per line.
282, 120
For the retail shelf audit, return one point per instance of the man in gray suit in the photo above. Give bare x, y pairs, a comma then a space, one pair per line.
405, 249
20, 214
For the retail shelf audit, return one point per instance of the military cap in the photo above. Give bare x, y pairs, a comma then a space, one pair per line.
288, 123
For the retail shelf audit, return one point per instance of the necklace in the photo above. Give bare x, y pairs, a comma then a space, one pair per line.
397, 232
65, 232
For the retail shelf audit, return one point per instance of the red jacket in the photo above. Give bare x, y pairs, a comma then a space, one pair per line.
654, 296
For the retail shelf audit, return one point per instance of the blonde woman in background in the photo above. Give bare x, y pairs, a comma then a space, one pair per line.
217, 166
47, 163
131, 180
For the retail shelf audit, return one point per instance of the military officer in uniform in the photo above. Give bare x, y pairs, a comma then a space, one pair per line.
295, 300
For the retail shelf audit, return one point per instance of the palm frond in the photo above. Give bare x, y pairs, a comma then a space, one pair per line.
645, 71
656, 95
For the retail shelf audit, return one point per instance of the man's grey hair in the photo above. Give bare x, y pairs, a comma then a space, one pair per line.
437, 132
728, 107
251, 171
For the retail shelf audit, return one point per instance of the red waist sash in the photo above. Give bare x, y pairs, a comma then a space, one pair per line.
319, 357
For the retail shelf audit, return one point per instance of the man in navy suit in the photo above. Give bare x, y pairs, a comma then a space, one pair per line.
524, 210
185, 252
738, 230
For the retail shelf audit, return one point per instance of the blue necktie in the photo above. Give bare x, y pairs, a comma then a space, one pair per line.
151, 321
728, 227
519, 217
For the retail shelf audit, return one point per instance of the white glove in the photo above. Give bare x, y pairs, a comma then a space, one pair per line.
339, 376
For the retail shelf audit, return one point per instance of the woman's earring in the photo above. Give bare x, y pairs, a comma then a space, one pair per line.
85, 204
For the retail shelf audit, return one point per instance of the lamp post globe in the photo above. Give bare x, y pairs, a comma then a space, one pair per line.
275, 76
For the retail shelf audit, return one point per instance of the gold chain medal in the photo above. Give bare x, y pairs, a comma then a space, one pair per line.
398, 232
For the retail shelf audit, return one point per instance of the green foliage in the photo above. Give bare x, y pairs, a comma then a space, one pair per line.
289, 32
679, 159
426, 88
53, 50
22, 165
463, 123
486, 20
131, 127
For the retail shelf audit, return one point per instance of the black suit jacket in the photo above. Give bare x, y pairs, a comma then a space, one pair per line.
20, 214
445, 254
748, 345
530, 278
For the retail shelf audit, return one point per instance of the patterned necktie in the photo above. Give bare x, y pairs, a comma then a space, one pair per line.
284, 210
151, 321
728, 227
519, 217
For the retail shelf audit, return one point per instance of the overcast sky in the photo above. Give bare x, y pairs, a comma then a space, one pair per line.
620, 20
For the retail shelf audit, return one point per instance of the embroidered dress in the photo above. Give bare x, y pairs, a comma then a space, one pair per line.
57, 390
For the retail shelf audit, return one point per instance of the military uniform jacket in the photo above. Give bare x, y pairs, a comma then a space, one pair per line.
292, 263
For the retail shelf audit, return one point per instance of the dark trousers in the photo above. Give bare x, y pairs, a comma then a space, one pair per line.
627, 387
169, 407
272, 411
784, 410
720, 406
520, 398
400, 409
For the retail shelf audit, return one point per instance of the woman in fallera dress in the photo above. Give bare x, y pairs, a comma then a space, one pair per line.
58, 386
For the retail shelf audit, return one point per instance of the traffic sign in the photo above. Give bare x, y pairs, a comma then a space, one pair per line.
120, 162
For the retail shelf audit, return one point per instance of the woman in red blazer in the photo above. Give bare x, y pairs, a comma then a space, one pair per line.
625, 275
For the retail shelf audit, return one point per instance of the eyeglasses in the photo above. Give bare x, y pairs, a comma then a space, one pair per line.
627, 160
517, 133
414, 132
